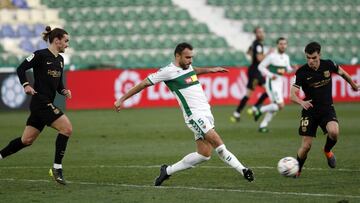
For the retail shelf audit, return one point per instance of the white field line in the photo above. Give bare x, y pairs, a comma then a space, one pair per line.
157, 166
191, 188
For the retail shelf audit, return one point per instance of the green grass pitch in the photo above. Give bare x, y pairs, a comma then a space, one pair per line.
115, 157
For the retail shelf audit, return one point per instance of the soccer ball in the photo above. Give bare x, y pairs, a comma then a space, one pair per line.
288, 166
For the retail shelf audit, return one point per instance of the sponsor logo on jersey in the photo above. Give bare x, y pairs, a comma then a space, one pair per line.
327, 74
54, 73
191, 79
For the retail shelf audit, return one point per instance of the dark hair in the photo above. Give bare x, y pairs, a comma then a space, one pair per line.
280, 39
256, 29
181, 47
313, 47
52, 34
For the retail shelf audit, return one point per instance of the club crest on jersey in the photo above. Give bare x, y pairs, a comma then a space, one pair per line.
191, 79
327, 74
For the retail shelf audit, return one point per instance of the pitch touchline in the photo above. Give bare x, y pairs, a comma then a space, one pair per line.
191, 188
157, 166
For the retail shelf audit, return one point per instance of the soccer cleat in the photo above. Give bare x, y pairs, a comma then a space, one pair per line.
250, 111
248, 174
297, 175
256, 113
163, 176
58, 176
331, 159
235, 117
264, 130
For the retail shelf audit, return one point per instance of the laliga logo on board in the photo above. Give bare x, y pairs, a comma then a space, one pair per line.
12, 93
222, 87
123, 83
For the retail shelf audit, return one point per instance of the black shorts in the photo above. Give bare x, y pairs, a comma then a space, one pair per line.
45, 114
311, 119
255, 78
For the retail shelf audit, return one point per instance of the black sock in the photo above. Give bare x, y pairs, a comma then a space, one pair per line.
60, 147
14, 146
261, 99
329, 144
301, 162
242, 104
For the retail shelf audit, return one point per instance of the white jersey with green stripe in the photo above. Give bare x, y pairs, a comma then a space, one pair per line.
184, 84
275, 64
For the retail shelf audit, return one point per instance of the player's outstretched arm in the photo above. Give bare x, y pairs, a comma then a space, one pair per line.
134, 90
294, 91
348, 79
218, 69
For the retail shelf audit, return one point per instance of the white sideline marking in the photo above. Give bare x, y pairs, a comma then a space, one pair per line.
191, 188
157, 166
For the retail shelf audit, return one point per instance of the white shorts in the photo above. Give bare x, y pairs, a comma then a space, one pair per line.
200, 124
274, 89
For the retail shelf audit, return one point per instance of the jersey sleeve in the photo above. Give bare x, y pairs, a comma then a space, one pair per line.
288, 66
263, 66
61, 86
30, 62
298, 79
161, 75
334, 68
258, 49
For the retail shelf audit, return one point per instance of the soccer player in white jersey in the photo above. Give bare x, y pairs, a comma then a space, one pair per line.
273, 68
181, 78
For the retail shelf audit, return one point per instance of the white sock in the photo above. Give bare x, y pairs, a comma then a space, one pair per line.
267, 118
57, 166
269, 108
236, 114
189, 161
229, 158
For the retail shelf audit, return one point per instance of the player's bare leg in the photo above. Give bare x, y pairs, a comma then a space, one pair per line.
236, 114
225, 155
28, 137
64, 127
303, 151
332, 128
189, 161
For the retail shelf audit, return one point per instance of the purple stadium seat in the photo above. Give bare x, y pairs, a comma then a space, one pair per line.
26, 45
41, 44
25, 31
20, 3
8, 31
39, 29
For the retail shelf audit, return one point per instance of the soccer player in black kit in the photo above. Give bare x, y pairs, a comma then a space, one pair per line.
318, 110
47, 67
255, 78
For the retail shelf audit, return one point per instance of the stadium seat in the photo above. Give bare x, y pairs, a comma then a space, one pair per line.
106, 59
76, 59
8, 31
26, 45
25, 31
22, 15
20, 3
12, 61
